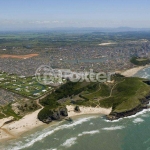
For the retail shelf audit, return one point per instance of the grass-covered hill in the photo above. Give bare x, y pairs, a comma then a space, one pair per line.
124, 94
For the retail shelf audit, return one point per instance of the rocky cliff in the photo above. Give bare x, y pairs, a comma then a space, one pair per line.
144, 105
48, 115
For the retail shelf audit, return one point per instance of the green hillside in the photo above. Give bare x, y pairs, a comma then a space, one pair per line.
123, 95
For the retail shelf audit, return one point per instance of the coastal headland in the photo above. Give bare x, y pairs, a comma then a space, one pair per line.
121, 98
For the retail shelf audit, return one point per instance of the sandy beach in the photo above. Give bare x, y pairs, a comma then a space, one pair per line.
16, 128
105, 44
87, 110
27, 123
132, 71
2, 121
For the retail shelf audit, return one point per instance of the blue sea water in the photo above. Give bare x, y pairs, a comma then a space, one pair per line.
90, 132
144, 73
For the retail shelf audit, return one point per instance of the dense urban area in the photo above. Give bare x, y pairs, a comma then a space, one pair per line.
22, 53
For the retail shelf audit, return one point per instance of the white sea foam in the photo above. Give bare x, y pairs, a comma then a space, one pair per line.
139, 113
132, 116
43, 135
69, 142
138, 120
145, 76
51, 149
113, 128
117, 120
145, 115
56, 139
89, 132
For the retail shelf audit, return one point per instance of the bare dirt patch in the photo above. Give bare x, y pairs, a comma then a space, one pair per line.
18, 56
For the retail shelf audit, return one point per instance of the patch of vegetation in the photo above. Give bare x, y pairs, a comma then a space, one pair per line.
48, 114
24, 86
8, 111
25, 107
66, 90
105, 90
102, 90
45, 113
140, 61
2, 116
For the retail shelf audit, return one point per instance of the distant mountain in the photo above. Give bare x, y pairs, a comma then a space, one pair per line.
92, 29
81, 30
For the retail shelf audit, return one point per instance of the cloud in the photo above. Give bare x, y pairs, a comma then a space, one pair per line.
55, 21
39, 22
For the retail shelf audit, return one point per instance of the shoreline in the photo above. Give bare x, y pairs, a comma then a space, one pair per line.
87, 111
144, 106
131, 72
29, 122
13, 130
16, 128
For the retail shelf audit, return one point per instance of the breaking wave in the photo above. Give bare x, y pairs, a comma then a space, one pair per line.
114, 128
138, 120
89, 132
20, 145
69, 142
141, 113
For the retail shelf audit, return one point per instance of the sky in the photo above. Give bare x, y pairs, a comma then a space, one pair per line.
36, 14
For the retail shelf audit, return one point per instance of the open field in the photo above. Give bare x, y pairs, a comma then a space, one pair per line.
19, 56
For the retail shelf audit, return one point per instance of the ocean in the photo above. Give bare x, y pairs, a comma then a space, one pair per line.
89, 132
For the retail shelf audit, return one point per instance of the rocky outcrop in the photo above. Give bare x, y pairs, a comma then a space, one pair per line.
47, 120
144, 105
48, 115
147, 82
115, 116
77, 109
63, 111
